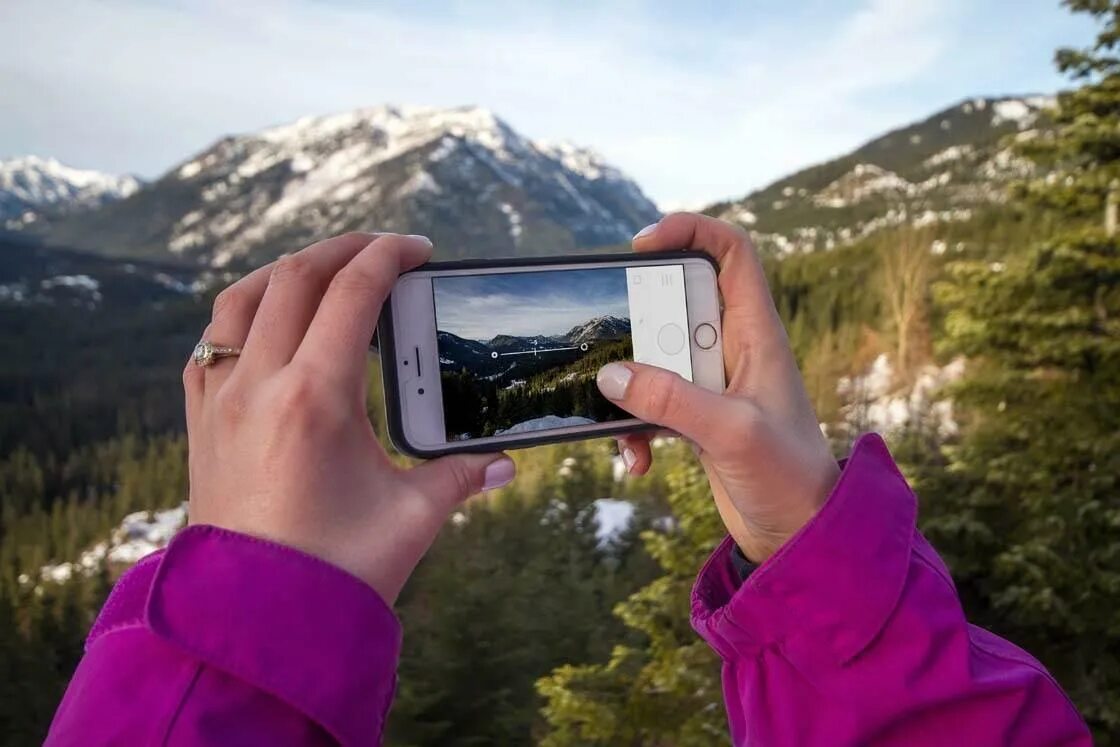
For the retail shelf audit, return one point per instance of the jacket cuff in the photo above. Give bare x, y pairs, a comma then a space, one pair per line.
838, 579
280, 620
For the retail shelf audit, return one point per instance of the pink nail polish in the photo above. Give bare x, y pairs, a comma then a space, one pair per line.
498, 473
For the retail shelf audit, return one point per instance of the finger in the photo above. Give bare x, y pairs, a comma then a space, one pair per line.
338, 338
295, 288
450, 480
659, 396
193, 391
636, 454
741, 274
230, 322
742, 280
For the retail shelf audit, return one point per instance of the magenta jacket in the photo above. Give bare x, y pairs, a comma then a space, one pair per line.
852, 634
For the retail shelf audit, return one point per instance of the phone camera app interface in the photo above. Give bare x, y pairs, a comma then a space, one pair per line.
518, 352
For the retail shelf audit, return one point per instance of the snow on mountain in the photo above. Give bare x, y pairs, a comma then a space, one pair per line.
138, 534
940, 170
598, 328
30, 185
1022, 112
462, 176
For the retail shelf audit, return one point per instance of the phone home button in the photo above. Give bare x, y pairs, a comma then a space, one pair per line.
705, 336
670, 339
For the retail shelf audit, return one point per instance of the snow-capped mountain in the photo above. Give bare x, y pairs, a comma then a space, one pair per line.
31, 186
940, 170
599, 328
461, 176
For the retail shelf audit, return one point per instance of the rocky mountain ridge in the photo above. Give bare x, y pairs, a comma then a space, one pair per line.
944, 169
462, 176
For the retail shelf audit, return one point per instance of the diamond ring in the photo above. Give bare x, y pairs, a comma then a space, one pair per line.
206, 353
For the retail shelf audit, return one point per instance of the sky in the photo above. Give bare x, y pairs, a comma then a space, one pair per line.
481, 307
696, 101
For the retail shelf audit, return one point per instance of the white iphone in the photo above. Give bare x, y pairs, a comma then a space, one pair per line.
501, 354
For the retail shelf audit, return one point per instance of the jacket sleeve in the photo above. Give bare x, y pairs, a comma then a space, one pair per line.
852, 634
228, 639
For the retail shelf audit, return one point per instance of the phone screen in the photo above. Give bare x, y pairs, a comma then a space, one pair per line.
519, 351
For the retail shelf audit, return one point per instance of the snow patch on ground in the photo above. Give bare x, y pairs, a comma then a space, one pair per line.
82, 284
514, 218
877, 401
613, 518
139, 534
544, 423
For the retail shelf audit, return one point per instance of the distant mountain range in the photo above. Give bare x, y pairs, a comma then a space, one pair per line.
461, 176
31, 187
478, 188
943, 169
477, 356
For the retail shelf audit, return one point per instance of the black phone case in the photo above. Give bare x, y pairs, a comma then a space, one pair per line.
386, 349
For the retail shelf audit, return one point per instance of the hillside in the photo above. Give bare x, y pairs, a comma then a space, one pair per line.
461, 176
943, 169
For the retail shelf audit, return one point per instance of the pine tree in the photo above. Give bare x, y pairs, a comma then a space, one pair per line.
1028, 513
660, 684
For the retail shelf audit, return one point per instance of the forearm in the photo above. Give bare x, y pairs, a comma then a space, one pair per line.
853, 634
225, 635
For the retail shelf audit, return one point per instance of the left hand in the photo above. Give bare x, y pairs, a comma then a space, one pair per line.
280, 443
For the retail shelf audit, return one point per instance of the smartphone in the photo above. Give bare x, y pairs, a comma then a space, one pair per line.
502, 354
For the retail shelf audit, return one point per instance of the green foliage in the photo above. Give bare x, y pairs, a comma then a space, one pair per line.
518, 584
662, 687
1025, 506
1027, 511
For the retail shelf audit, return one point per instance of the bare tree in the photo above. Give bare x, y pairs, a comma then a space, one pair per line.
907, 268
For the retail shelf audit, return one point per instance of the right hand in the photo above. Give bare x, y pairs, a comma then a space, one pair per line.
761, 446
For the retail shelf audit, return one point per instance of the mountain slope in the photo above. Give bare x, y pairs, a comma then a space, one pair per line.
31, 186
941, 169
461, 176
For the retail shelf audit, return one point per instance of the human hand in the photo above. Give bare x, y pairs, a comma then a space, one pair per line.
280, 443
769, 465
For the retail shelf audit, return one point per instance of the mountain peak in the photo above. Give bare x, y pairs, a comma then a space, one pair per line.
30, 185
460, 175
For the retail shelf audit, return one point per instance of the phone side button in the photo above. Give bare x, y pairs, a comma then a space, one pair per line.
705, 336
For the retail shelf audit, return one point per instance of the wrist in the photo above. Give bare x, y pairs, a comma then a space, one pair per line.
758, 540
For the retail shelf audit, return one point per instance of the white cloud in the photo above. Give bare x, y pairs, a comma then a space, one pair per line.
694, 114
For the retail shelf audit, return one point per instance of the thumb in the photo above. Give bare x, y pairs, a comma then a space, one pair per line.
662, 397
450, 480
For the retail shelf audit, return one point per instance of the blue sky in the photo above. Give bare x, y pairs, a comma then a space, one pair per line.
697, 101
528, 303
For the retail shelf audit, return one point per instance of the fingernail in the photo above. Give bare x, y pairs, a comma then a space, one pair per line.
418, 237
646, 231
613, 379
629, 458
498, 473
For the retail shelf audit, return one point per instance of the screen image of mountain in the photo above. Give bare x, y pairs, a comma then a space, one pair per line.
519, 352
